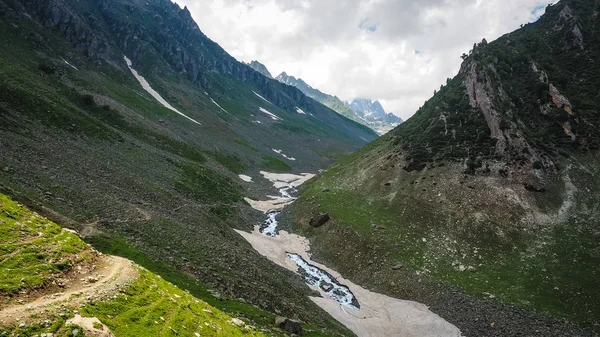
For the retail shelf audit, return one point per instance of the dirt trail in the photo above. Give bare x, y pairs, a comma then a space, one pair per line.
116, 270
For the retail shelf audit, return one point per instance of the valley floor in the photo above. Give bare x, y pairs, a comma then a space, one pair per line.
377, 315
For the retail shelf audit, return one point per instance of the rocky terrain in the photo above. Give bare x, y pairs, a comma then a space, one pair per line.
483, 204
261, 68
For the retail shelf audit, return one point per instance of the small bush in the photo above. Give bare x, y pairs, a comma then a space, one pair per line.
88, 100
47, 68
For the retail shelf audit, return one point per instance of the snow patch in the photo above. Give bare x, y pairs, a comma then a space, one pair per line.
281, 180
217, 104
273, 116
153, 92
280, 152
245, 178
69, 64
300, 111
264, 99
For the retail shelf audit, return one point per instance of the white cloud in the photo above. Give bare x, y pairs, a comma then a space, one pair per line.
396, 51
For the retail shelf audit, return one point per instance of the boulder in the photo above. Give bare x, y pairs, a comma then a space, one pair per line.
238, 322
319, 220
289, 325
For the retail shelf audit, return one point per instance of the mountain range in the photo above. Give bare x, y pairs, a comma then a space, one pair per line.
360, 110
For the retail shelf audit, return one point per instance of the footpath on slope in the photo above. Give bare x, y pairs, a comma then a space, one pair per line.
369, 314
115, 272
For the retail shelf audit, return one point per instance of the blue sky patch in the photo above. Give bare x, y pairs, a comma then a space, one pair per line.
364, 24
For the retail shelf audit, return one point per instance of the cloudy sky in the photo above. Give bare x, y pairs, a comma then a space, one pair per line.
395, 51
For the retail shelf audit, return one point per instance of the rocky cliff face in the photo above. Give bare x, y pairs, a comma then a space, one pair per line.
505, 108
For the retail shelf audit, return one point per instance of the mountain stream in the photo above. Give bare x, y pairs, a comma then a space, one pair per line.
366, 313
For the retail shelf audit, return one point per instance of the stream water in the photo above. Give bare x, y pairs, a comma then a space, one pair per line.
311, 274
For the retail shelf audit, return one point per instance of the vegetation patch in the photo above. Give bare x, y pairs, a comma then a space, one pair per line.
230, 161
151, 306
204, 184
33, 250
275, 164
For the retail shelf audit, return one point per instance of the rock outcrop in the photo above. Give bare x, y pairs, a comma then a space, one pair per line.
319, 220
288, 325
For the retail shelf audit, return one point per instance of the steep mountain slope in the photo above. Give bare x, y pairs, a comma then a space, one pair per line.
380, 123
122, 120
484, 204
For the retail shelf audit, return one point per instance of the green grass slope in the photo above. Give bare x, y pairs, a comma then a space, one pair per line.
34, 250
35, 253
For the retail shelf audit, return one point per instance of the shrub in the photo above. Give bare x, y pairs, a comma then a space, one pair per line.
47, 68
88, 100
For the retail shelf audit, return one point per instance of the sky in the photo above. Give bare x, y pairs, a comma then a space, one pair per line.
394, 51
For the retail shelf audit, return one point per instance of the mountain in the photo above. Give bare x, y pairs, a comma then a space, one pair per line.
382, 124
483, 204
373, 113
261, 68
122, 120
366, 108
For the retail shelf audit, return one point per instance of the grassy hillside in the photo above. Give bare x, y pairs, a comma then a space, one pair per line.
482, 205
40, 260
34, 251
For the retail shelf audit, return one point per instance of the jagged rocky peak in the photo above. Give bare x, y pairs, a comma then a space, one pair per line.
261, 68
287, 79
379, 122
367, 108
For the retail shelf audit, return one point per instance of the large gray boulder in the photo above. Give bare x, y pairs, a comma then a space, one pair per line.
319, 220
289, 325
